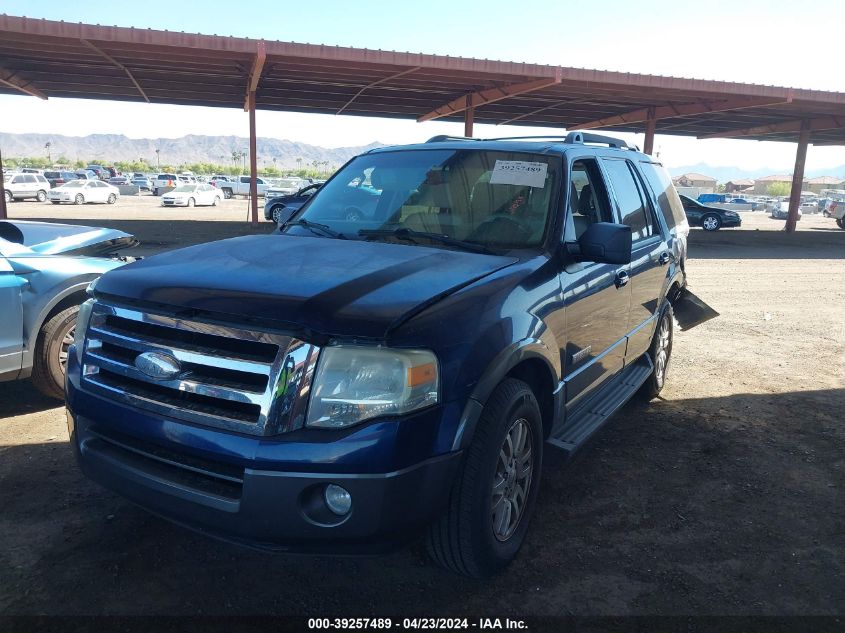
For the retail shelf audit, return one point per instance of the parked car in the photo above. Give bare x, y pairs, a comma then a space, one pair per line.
285, 187
119, 180
780, 210
144, 184
86, 174
44, 271
84, 191
338, 384
707, 217
240, 187
31, 170
191, 195
25, 186
163, 182
836, 210
138, 174
278, 208
56, 178
101, 172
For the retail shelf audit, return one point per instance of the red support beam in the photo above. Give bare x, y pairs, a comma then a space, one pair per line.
490, 95
3, 214
11, 80
798, 177
111, 59
469, 116
815, 125
651, 125
681, 109
373, 84
255, 74
253, 162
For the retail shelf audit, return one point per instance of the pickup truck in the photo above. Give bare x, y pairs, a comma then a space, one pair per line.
343, 384
240, 186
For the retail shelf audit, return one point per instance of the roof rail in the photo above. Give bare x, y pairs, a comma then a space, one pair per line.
579, 138
440, 138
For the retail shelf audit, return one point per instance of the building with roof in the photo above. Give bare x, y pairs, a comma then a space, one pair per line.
732, 186
824, 182
761, 185
705, 184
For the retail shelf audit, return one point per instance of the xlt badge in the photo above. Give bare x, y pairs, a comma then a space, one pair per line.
581, 354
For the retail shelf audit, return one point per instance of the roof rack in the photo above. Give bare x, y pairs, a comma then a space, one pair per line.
440, 138
575, 138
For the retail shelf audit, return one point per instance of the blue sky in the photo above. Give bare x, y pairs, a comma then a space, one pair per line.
768, 42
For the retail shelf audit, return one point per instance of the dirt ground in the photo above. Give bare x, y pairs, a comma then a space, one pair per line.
723, 497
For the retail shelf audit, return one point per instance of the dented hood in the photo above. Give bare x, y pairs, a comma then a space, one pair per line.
49, 238
325, 286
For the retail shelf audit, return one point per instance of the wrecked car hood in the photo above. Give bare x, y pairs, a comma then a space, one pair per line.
49, 238
320, 285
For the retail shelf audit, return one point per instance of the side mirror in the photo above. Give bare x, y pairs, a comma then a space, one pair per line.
285, 214
606, 243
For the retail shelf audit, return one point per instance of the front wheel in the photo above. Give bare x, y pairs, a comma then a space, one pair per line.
51, 350
41, 196
660, 353
216, 201
8, 195
711, 222
840, 222
493, 497
111, 199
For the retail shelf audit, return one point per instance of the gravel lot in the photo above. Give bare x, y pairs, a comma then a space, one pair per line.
723, 497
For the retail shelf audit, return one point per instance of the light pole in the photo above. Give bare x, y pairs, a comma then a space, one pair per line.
244, 155
158, 159
47, 147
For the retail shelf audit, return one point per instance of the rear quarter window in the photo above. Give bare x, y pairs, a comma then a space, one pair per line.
667, 197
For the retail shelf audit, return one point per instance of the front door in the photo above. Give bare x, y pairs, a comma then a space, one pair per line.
11, 319
596, 296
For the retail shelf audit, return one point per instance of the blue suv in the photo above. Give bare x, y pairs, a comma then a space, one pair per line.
351, 382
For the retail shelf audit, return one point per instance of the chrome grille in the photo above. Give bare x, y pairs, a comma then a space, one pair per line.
247, 380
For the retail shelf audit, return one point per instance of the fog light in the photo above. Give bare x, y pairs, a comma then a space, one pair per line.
338, 499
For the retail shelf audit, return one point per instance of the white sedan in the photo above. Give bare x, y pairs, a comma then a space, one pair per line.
82, 191
192, 194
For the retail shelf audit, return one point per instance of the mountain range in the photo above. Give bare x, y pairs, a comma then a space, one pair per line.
173, 151
195, 148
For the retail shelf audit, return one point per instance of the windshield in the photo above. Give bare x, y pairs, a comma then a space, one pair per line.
184, 189
494, 199
289, 182
73, 183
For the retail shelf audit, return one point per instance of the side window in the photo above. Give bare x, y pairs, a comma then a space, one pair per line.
633, 208
29, 179
671, 205
588, 199
245, 179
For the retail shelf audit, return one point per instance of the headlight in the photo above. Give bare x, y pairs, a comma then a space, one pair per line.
82, 319
354, 384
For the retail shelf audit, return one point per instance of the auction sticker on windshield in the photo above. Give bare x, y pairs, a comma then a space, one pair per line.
519, 172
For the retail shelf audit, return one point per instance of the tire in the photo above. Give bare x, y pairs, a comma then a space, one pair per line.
8, 195
51, 347
276, 213
660, 352
55, 201
79, 199
41, 196
711, 222
216, 201
470, 538
155, 191
191, 202
825, 214
840, 222
111, 199
227, 193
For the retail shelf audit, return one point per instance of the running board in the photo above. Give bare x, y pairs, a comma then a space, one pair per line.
590, 416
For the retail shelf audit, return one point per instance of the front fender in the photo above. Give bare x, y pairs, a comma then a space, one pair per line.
526, 349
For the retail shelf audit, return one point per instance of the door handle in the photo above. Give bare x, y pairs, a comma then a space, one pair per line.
664, 258
622, 278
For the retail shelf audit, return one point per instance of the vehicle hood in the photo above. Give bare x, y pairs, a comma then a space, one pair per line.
49, 238
317, 286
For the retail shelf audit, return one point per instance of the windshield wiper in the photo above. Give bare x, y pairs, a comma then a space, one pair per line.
410, 235
315, 227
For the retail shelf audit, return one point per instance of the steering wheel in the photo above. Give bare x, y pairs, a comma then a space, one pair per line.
507, 222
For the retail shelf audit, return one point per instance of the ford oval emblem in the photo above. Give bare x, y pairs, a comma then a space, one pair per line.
158, 365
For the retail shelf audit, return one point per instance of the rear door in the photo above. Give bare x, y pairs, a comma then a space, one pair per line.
11, 319
650, 254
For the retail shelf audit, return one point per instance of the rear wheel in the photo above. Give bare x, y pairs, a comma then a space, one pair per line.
711, 222
111, 199
41, 196
8, 195
227, 193
51, 350
190, 202
493, 497
79, 199
216, 201
841, 223
660, 352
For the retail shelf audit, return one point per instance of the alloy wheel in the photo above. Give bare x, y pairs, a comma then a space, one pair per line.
661, 356
67, 341
512, 482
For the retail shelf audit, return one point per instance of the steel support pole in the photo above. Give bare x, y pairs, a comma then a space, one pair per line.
798, 177
650, 125
3, 215
469, 114
253, 162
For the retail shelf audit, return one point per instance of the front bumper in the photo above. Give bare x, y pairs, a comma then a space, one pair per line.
729, 222
267, 492
174, 203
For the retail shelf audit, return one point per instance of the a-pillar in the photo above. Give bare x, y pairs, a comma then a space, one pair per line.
798, 177
253, 163
469, 115
650, 126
